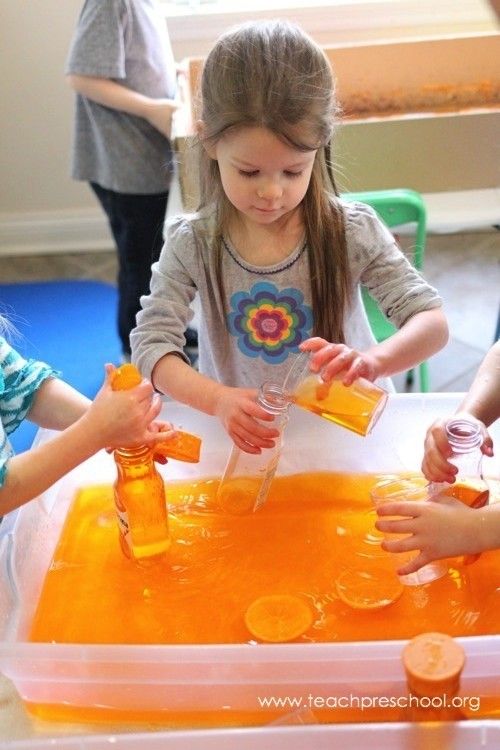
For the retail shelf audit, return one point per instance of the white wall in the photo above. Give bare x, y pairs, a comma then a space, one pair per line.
36, 106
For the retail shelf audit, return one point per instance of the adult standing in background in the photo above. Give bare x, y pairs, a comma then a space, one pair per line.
122, 69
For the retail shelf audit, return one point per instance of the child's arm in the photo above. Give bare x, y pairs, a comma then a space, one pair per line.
113, 419
483, 397
56, 405
422, 335
158, 112
445, 528
236, 408
482, 402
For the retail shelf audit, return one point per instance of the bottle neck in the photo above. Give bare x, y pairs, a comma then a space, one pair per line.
463, 436
130, 456
272, 398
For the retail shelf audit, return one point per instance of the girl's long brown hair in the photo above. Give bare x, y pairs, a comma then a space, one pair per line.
272, 75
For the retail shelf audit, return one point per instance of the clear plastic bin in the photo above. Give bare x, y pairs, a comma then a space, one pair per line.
484, 736
224, 677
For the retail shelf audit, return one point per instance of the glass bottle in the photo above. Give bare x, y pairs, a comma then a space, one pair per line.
140, 501
141, 506
247, 477
465, 439
433, 664
404, 489
357, 406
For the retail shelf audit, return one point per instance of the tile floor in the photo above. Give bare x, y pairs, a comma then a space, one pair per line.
464, 267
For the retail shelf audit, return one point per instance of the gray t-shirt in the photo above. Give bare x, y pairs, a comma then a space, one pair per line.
127, 41
269, 309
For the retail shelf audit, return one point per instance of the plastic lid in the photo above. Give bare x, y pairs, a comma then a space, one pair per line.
433, 663
125, 377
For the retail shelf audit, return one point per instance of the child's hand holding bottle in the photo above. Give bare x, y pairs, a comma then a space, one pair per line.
436, 465
125, 418
242, 418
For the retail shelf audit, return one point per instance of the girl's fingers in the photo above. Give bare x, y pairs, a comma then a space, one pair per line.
409, 509
249, 438
413, 565
313, 344
243, 444
253, 429
393, 526
437, 468
354, 370
399, 545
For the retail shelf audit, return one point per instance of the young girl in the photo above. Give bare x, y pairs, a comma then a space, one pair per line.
449, 528
31, 389
275, 255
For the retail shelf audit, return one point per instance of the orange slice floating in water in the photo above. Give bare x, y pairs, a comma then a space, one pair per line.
278, 618
362, 590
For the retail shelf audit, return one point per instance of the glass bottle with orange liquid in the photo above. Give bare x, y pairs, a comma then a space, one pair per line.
141, 505
465, 438
247, 477
140, 501
357, 406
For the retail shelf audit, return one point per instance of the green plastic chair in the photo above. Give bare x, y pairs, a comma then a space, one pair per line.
396, 207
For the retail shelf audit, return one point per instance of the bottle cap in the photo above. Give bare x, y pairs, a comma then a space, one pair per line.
433, 663
125, 377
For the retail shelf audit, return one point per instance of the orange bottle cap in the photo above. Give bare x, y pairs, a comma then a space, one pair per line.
433, 663
125, 377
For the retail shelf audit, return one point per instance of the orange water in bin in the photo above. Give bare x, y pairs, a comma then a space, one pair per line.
314, 532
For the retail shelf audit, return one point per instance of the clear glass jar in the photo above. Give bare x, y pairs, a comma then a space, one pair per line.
247, 477
465, 439
413, 488
357, 406
141, 505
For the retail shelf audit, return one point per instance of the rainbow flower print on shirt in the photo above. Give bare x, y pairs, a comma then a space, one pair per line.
269, 322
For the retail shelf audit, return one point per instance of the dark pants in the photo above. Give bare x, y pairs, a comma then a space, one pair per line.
136, 222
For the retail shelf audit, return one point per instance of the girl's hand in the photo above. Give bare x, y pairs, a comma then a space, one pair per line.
438, 528
435, 464
240, 414
161, 431
124, 418
333, 359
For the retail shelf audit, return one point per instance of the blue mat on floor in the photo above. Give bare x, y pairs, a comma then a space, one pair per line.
71, 325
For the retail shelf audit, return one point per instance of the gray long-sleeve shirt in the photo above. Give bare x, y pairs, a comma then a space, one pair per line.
268, 310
